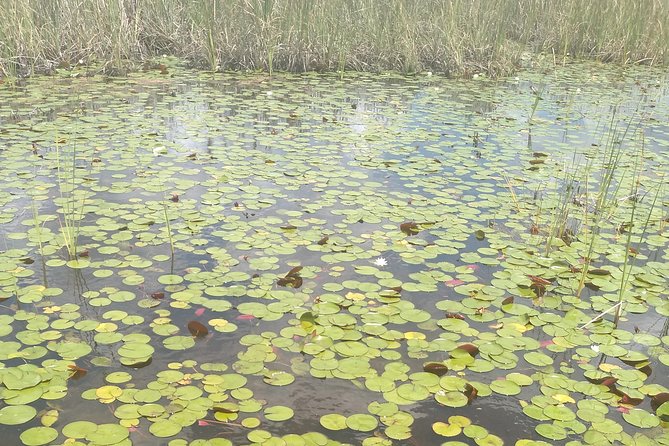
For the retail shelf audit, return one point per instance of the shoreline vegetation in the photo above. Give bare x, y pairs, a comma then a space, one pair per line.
456, 38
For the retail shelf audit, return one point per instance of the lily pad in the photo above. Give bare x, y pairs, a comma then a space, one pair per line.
362, 422
13, 415
38, 436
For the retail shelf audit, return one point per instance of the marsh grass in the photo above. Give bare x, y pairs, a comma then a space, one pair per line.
611, 177
458, 37
514, 197
633, 223
71, 201
561, 212
584, 207
637, 228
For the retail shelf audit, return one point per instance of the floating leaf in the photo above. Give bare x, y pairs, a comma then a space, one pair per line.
471, 349
409, 228
164, 428
436, 368
559, 413
278, 413
19, 414
471, 392
38, 436
658, 399
551, 431
505, 387
333, 421
362, 422
76, 372
451, 399
539, 359
197, 329
445, 429
79, 429
179, 342
641, 418
108, 434
170, 279
662, 412
278, 378
49, 417
398, 432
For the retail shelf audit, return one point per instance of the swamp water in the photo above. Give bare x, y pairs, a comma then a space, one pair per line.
197, 259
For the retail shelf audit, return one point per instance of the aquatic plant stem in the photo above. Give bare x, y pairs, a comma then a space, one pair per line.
514, 198
599, 316
606, 198
169, 229
69, 225
38, 228
537, 98
628, 251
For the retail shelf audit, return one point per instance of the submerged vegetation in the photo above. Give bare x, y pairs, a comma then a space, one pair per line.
458, 37
192, 258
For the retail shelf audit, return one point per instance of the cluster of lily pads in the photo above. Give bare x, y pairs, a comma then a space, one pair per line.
194, 259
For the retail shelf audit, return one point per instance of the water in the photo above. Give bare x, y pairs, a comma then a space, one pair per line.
258, 176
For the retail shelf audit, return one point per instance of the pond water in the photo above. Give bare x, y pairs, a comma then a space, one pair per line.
212, 259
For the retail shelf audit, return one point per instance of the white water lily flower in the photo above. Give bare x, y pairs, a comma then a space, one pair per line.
380, 261
595, 348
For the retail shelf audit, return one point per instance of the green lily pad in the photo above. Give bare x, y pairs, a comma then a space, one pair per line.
170, 279
551, 431
445, 429
13, 415
333, 421
505, 387
278, 413
108, 434
79, 429
165, 428
451, 399
38, 436
362, 422
559, 413
538, 359
278, 378
640, 418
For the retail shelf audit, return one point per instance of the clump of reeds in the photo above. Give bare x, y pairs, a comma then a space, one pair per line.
457, 37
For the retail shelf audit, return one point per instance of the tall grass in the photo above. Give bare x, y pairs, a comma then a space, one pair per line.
456, 36
71, 202
636, 229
